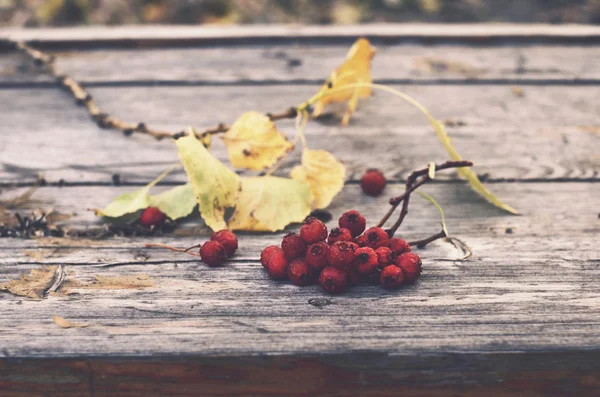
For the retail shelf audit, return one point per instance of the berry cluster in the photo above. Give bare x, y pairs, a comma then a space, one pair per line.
222, 245
344, 257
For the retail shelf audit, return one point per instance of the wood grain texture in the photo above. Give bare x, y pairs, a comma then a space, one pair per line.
310, 63
62, 143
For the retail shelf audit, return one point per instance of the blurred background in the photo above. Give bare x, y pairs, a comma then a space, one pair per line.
33, 13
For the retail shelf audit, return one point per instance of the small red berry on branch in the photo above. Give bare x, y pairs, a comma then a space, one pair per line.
373, 182
365, 260
341, 254
353, 221
339, 234
152, 216
268, 252
227, 240
293, 246
277, 266
313, 230
333, 280
410, 263
299, 272
391, 277
213, 253
316, 255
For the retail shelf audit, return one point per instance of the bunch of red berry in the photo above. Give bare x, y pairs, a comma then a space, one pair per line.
343, 257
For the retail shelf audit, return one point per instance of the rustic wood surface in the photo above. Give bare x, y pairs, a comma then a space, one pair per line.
519, 317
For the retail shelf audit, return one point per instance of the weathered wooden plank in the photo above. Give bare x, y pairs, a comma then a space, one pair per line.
542, 204
64, 144
212, 34
280, 64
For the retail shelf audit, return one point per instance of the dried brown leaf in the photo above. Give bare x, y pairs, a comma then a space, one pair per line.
61, 322
34, 285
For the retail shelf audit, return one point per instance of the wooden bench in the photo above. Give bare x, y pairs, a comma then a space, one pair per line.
520, 317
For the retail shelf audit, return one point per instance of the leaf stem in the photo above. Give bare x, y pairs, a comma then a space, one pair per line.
183, 250
422, 243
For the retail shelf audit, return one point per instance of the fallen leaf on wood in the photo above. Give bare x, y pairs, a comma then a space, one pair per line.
215, 186
356, 69
34, 285
323, 172
254, 142
177, 202
61, 322
270, 203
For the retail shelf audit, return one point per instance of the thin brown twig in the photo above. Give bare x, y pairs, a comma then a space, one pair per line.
422, 243
411, 185
104, 120
182, 250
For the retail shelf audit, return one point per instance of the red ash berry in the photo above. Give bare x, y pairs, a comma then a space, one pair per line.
313, 230
339, 234
385, 256
227, 239
293, 246
267, 252
152, 216
391, 277
333, 280
299, 272
353, 221
277, 266
411, 266
399, 246
316, 255
373, 182
213, 253
341, 254
365, 260
376, 237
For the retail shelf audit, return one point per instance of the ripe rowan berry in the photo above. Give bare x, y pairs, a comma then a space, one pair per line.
398, 245
365, 260
152, 216
316, 255
299, 272
227, 239
341, 254
333, 280
293, 246
277, 266
313, 230
213, 253
411, 266
391, 277
361, 241
267, 252
339, 234
376, 237
385, 256
372, 182
353, 221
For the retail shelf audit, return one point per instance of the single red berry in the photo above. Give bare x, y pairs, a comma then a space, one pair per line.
353, 277
339, 234
341, 254
299, 272
385, 256
227, 239
353, 221
152, 216
391, 277
213, 253
411, 265
399, 246
372, 182
376, 237
267, 252
316, 255
277, 266
313, 230
333, 280
293, 246
365, 260
361, 241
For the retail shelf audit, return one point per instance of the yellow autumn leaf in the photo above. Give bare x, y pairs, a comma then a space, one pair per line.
270, 203
254, 142
177, 202
356, 69
214, 185
324, 173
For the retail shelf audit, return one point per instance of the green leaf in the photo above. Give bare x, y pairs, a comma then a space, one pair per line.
270, 203
176, 203
131, 202
215, 186
439, 208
